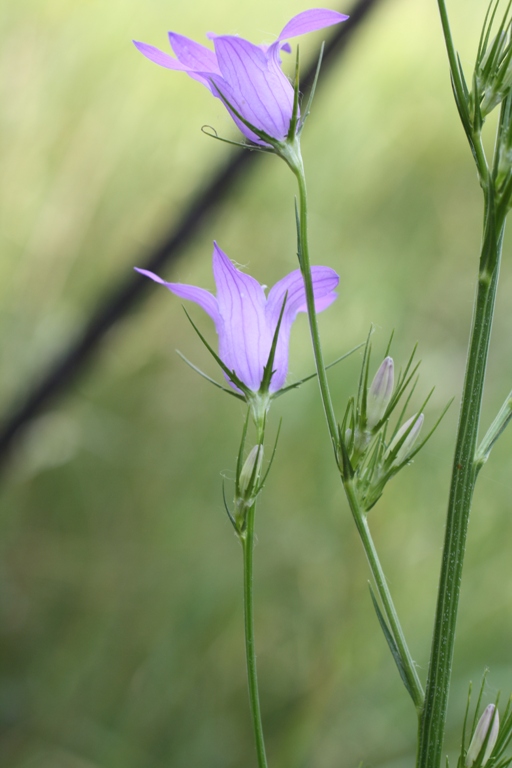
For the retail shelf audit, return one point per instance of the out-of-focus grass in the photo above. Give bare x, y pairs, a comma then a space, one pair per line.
120, 633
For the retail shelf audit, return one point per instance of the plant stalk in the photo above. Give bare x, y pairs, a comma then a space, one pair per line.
247, 539
464, 474
305, 264
383, 590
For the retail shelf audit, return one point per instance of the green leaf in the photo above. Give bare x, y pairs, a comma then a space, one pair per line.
208, 378
230, 374
314, 375
212, 134
268, 371
226, 507
496, 429
295, 113
392, 644
313, 89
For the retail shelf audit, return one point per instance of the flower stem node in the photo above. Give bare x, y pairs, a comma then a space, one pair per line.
484, 738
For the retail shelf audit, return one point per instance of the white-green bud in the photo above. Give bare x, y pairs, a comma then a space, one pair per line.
490, 719
250, 472
380, 392
417, 422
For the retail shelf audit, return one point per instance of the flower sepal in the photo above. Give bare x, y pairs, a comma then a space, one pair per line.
249, 477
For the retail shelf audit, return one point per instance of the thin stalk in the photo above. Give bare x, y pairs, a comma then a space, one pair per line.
385, 595
296, 164
461, 492
305, 265
247, 539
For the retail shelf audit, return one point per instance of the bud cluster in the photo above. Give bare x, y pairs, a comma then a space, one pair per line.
489, 86
371, 452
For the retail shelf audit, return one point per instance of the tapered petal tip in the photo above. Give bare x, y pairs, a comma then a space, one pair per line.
158, 56
310, 21
151, 275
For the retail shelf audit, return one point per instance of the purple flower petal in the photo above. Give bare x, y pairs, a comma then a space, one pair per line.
193, 55
310, 21
219, 87
244, 340
246, 320
261, 91
159, 57
325, 281
200, 296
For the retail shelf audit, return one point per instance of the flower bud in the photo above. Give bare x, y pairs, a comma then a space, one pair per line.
250, 472
407, 444
380, 392
489, 720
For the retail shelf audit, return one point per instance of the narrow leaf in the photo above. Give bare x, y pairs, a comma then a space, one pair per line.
208, 378
230, 374
391, 643
313, 89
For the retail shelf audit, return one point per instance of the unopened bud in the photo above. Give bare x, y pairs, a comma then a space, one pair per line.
489, 720
380, 392
407, 444
250, 472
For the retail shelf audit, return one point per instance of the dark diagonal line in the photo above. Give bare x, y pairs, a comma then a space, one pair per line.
130, 287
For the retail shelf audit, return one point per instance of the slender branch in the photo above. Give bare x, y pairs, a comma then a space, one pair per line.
247, 539
414, 683
305, 265
294, 160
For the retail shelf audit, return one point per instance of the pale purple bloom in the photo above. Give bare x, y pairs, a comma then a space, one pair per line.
249, 76
405, 439
380, 393
490, 719
246, 319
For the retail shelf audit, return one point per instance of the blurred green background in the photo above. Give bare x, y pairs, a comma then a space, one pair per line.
120, 594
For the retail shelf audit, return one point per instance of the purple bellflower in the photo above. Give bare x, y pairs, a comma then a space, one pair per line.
246, 319
247, 76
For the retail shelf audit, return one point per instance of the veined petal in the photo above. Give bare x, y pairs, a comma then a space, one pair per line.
200, 296
218, 87
244, 339
310, 21
193, 55
325, 281
262, 93
159, 57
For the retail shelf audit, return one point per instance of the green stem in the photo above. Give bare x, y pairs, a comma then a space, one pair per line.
461, 492
382, 588
294, 160
247, 539
297, 167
